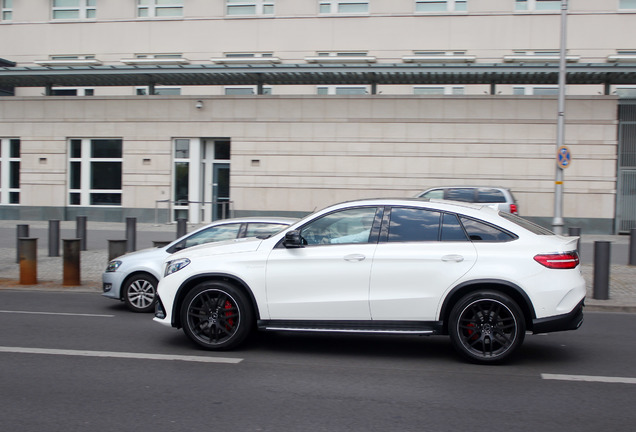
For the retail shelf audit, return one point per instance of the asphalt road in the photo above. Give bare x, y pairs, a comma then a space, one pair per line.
81, 362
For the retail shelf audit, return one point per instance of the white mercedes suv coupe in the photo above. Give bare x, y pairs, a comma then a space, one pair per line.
402, 266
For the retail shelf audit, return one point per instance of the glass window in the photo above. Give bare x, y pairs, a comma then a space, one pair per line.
213, 234
7, 10
74, 9
342, 90
181, 185
343, 6
461, 194
440, 5
263, 230
346, 226
159, 8
9, 171
490, 196
413, 225
434, 194
250, 7
95, 171
451, 229
627, 4
539, 5
481, 231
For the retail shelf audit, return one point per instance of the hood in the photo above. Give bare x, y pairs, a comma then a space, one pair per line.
248, 244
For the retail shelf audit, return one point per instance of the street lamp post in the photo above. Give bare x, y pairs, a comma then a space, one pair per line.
557, 222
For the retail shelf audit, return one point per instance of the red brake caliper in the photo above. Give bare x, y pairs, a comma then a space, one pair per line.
230, 321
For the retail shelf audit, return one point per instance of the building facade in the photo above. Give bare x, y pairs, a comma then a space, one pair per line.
100, 145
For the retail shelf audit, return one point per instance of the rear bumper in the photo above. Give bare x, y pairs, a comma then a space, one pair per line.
569, 321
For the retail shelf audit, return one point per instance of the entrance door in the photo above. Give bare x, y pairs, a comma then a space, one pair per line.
215, 173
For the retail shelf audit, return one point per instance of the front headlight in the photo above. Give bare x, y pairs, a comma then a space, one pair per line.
175, 265
113, 266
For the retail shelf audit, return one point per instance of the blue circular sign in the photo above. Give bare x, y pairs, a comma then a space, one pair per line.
564, 157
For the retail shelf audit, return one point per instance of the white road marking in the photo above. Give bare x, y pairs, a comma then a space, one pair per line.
112, 354
57, 313
589, 378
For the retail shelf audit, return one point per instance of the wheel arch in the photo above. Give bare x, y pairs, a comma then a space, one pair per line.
504, 287
124, 283
192, 282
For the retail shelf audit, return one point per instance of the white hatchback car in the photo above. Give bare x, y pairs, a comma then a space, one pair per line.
133, 277
401, 266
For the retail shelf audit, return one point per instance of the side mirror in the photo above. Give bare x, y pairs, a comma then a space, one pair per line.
293, 239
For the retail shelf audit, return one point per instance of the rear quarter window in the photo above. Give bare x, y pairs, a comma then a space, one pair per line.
490, 196
483, 232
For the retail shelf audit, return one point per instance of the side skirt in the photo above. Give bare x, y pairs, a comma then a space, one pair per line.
369, 327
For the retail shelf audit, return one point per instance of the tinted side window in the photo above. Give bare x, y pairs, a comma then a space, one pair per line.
413, 225
451, 229
346, 226
461, 194
490, 196
480, 231
263, 230
213, 234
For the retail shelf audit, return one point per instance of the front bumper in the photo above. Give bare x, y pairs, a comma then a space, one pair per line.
111, 284
569, 321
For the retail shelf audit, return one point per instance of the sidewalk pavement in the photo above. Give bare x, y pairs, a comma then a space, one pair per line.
622, 283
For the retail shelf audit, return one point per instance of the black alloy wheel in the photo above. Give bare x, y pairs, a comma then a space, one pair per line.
140, 293
486, 327
216, 316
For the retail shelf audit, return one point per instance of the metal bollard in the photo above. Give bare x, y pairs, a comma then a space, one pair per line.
116, 248
71, 272
28, 261
601, 270
632, 246
54, 238
575, 232
131, 234
80, 231
182, 227
22, 231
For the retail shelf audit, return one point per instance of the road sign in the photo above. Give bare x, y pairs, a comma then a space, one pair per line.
564, 157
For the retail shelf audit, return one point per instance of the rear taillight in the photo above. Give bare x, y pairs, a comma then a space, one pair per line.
514, 209
567, 260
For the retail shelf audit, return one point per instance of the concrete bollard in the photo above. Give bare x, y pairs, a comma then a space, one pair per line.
632, 246
182, 227
80, 231
575, 232
116, 248
21, 231
54, 238
131, 234
71, 272
601, 270
28, 261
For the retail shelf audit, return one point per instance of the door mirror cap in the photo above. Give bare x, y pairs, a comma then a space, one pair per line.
293, 239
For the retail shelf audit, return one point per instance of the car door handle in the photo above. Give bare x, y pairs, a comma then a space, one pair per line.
452, 258
354, 257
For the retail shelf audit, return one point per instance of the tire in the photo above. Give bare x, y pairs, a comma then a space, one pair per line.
216, 316
486, 327
140, 292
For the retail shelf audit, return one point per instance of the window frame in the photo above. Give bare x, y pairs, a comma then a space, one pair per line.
6, 10
261, 7
7, 164
85, 191
450, 6
333, 7
531, 6
152, 6
84, 9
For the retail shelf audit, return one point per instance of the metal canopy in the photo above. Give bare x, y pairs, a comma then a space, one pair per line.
315, 74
